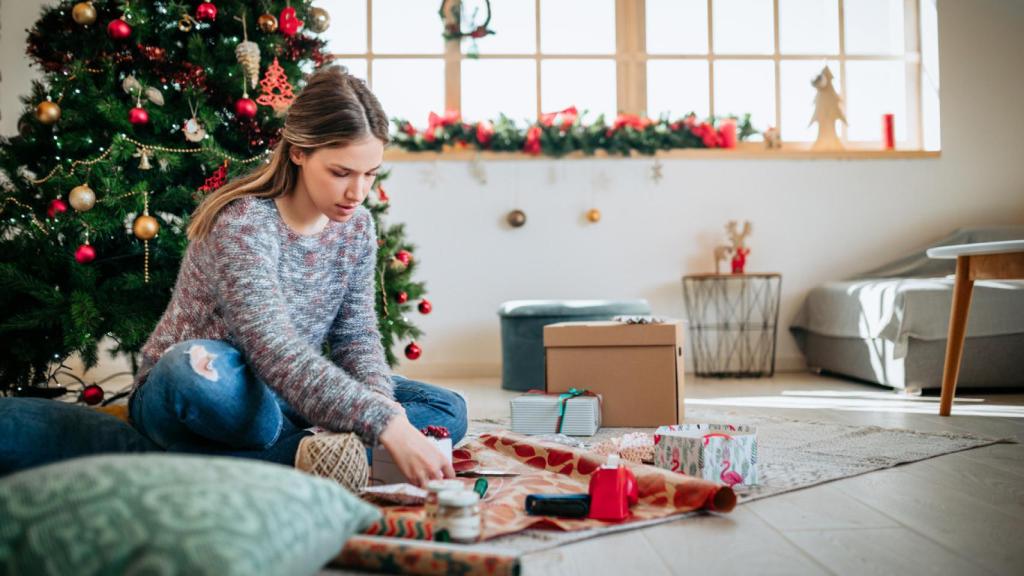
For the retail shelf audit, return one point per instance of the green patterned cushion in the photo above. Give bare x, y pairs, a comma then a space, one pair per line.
158, 514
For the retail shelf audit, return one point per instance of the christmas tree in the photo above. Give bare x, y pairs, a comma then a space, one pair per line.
143, 109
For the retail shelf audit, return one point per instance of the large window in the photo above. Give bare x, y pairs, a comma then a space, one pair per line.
655, 57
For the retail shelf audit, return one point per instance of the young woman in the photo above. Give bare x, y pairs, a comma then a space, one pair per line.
280, 261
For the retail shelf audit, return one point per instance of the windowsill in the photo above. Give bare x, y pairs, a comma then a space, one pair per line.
744, 151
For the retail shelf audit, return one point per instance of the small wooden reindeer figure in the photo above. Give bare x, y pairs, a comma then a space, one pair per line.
739, 245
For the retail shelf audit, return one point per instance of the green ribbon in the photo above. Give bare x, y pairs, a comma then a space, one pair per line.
562, 399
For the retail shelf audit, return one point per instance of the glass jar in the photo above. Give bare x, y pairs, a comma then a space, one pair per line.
434, 488
458, 512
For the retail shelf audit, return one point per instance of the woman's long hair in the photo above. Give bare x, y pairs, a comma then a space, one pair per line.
333, 109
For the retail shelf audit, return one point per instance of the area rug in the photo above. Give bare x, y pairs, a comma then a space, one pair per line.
793, 454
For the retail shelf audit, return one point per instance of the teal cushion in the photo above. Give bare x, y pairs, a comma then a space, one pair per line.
173, 514
567, 309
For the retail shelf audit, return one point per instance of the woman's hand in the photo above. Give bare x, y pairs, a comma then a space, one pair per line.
417, 458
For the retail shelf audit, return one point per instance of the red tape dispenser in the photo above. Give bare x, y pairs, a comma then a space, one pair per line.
613, 489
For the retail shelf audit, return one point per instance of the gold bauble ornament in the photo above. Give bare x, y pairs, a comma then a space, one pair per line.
516, 218
82, 198
145, 227
318, 20
594, 215
48, 112
84, 13
267, 23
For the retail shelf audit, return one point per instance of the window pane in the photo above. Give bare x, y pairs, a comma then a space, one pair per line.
873, 89
406, 27
797, 95
391, 83
513, 21
874, 26
746, 86
356, 66
346, 35
490, 87
930, 111
677, 26
743, 27
587, 84
930, 42
808, 27
677, 87
577, 26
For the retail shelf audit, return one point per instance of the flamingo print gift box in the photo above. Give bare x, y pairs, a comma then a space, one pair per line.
718, 452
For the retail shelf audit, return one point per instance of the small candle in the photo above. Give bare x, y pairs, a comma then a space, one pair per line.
889, 131
727, 133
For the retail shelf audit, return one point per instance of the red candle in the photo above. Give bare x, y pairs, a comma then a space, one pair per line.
889, 131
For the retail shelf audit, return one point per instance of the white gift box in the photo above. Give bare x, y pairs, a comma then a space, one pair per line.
538, 414
383, 469
723, 453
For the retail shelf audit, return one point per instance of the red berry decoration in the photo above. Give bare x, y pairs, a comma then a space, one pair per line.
413, 351
138, 116
245, 108
85, 254
55, 207
288, 24
206, 12
92, 395
425, 306
402, 297
404, 256
119, 29
433, 431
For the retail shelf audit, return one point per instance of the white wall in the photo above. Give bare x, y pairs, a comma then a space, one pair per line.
814, 220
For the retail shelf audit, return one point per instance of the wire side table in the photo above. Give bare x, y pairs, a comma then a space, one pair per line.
733, 323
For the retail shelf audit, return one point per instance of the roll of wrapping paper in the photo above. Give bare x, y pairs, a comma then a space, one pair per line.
391, 555
409, 525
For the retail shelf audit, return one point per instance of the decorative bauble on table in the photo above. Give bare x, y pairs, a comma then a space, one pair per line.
56, 206
516, 218
82, 198
206, 12
48, 112
413, 351
92, 395
85, 253
84, 13
318, 20
118, 29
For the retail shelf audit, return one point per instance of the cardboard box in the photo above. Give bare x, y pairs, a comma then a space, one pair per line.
636, 368
538, 414
723, 453
383, 469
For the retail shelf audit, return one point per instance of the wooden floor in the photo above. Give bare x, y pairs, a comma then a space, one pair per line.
957, 514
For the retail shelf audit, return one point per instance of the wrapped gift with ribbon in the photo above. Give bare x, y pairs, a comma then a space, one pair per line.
576, 412
723, 453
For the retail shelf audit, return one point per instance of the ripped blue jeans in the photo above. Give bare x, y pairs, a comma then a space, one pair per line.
202, 397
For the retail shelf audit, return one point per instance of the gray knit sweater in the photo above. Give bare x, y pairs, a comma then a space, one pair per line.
277, 296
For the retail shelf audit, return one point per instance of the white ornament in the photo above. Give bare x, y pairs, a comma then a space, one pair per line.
828, 107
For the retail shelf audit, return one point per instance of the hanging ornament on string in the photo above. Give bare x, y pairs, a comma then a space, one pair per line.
118, 28
288, 22
404, 256
319, 20
82, 198
48, 112
382, 196
56, 206
267, 23
143, 155
656, 171
84, 13
593, 215
516, 218
185, 23
245, 107
413, 351
85, 253
91, 395
248, 54
277, 91
146, 228
402, 297
192, 128
206, 12
425, 307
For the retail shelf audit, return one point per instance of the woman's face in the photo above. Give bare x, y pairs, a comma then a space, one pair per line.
338, 179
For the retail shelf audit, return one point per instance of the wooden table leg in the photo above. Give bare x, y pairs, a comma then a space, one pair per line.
957, 330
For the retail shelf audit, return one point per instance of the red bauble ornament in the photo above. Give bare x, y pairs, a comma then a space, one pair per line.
92, 395
384, 199
402, 297
425, 306
85, 254
56, 207
119, 29
206, 12
245, 108
413, 351
404, 256
138, 116
288, 24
